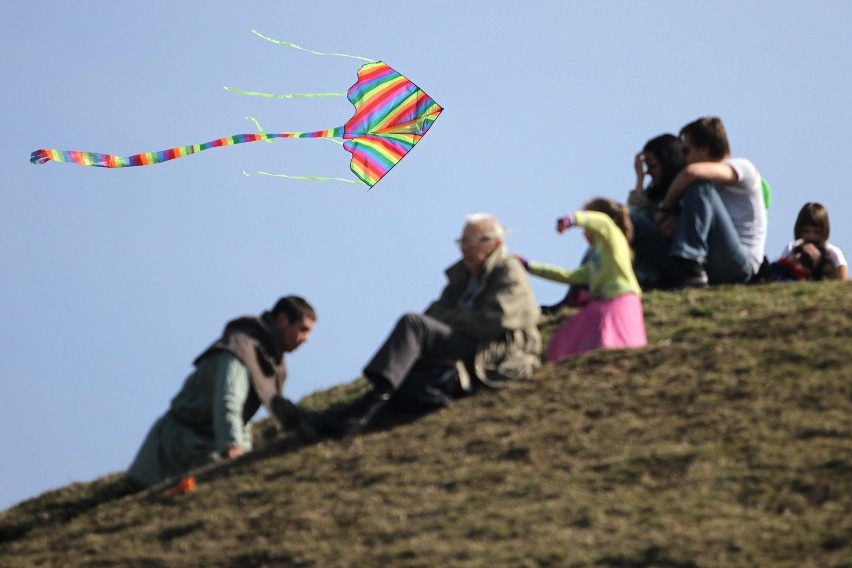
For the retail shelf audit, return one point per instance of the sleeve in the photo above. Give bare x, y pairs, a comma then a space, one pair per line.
789, 248
598, 223
578, 276
748, 178
231, 387
836, 255
446, 302
601, 225
442, 307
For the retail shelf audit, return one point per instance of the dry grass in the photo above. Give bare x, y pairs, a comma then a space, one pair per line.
726, 442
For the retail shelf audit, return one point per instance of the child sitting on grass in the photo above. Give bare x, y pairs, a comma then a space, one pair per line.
812, 225
808, 260
613, 319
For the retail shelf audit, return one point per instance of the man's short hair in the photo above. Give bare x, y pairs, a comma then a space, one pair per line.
708, 132
493, 225
295, 308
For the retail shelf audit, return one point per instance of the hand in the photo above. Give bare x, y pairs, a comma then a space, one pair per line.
524, 261
232, 452
667, 225
565, 223
639, 166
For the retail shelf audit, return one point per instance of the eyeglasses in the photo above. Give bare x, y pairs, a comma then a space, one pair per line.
474, 241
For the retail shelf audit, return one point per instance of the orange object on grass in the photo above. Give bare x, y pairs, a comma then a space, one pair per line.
186, 485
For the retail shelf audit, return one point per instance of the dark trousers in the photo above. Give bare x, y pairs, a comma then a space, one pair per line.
417, 342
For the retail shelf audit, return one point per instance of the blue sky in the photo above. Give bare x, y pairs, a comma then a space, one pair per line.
114, 280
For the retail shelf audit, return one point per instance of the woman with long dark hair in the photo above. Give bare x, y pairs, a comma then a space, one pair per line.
661, 159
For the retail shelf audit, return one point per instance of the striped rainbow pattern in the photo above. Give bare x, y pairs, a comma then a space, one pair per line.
149, 158
391, 115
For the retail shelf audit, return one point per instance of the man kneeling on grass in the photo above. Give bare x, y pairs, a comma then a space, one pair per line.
208, 420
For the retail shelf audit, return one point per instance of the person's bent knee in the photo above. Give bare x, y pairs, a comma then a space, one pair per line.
698, 189
411, 319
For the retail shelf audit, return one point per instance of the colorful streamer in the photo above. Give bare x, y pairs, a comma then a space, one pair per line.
391, 115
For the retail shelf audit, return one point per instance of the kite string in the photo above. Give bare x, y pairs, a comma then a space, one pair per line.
282, 96
294, 95
293, 45
309, 178
270, 138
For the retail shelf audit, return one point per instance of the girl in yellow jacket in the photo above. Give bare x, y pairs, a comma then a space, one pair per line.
613, 319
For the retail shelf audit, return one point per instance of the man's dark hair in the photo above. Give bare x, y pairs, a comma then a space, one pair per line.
295, 308
708, 132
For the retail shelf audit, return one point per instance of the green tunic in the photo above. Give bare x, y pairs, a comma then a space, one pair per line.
205, 418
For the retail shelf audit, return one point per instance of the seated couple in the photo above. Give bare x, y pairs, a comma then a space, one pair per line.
710, 223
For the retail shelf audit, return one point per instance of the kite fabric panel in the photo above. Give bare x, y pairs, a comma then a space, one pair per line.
391, 115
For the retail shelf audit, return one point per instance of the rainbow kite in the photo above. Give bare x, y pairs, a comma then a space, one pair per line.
391, 115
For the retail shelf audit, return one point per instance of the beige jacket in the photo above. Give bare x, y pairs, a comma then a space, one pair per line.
503, 319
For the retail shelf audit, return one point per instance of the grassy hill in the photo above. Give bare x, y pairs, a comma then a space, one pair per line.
726, 442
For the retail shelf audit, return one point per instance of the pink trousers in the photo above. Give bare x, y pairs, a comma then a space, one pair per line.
615, 323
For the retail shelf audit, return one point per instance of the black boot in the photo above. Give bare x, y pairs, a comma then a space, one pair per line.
305, 423
356, 416
763, 274
691, 274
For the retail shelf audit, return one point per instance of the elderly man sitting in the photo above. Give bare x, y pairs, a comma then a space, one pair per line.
481, 332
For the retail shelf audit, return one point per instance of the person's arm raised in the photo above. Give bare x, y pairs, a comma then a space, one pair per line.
717, 172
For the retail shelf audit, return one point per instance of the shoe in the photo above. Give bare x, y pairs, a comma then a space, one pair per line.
305, 423
763, 274
366, 410
355, 416
692, 274
310, 426
287, 413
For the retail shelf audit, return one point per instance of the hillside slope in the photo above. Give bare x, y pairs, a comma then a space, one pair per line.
726, 442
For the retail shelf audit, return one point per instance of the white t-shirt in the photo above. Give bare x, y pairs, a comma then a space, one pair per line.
833, 252
744, 201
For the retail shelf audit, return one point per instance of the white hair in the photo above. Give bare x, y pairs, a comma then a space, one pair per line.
493, 226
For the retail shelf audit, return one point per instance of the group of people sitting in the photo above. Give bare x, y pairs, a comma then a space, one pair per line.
701, 220
703, 217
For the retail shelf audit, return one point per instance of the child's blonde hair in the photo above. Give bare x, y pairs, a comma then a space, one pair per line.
618, 212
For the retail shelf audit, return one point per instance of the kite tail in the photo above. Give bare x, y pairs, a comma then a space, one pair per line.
330, 133
150, 158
